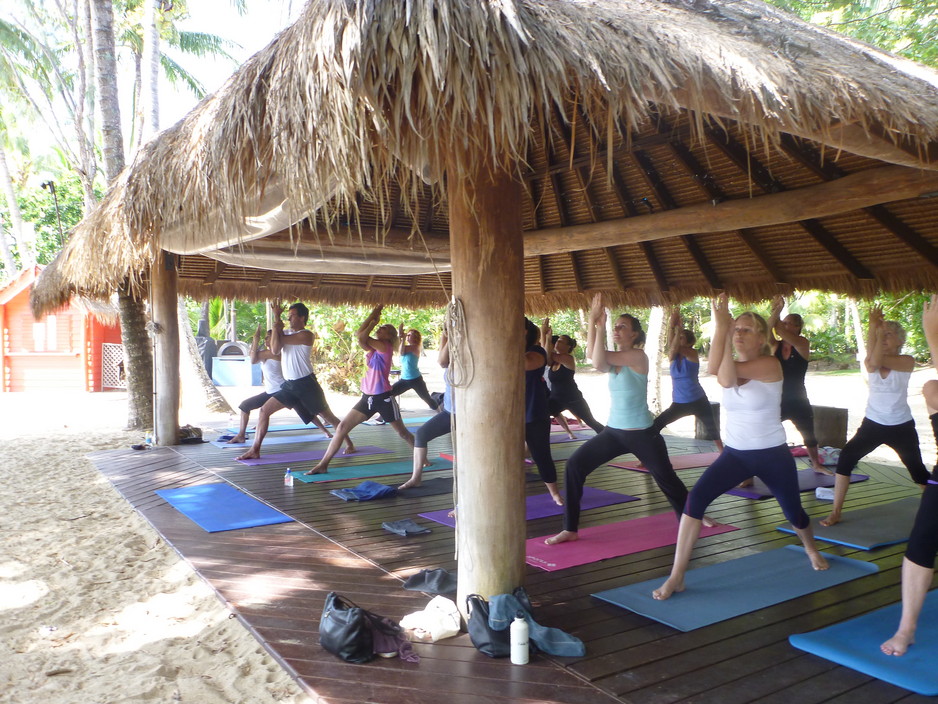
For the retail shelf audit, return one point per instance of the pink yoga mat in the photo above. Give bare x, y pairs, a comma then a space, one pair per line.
309, 455
611, 540
704, 459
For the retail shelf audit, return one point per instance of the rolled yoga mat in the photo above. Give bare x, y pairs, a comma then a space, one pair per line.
218, 507
542, 506
808, 480
855, 644
869, 528
364, 471
276, 440
703, 459
719, 592
610, 540
309, 455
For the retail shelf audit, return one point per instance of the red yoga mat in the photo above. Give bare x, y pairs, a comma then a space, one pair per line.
611, 540
703, 459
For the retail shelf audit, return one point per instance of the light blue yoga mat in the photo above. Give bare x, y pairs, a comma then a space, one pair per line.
364, 471
276, 440
855, 644
407, 421
719, 592
274, 428
218, 507
308, 456
869, 528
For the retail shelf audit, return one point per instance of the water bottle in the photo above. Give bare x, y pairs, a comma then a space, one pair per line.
518, 635
149, 438
288, 477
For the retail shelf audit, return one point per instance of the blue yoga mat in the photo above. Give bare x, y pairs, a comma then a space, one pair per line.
869, 528
855, 644
309, 456
276, 440
363, 471
218, 507
719, 592
274, 428
407, 421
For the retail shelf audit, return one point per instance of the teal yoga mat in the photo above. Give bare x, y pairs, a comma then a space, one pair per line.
364, 471
719, 592
218, 507
274, 428
275, 440
869, 528
855, 644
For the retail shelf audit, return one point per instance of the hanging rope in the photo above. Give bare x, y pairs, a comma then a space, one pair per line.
461, 368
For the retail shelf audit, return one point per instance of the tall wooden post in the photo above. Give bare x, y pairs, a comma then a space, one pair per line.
488, 276
163, 312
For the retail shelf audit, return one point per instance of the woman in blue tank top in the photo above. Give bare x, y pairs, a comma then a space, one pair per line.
630, 422
687, 395
411, 378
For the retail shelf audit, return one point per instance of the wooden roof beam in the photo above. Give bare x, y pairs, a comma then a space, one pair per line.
213, 277
577, 279
827, 240
696, 253
614, 266
654, 180
748, 240
743, 159
687, 159
649, 252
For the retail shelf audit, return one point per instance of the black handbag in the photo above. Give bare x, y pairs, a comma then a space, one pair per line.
344, 630
488, 641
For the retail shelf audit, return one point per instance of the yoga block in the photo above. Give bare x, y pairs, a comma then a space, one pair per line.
830, 426
700, 432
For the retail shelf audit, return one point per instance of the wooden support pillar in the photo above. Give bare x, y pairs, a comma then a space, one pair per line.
488, 277
163, 313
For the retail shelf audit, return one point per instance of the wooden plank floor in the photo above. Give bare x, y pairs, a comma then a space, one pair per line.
275, 579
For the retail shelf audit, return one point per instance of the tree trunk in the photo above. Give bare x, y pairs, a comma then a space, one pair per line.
16, 219
138, 360
106, 63
853, 314
653, 348
151, 68
191, 367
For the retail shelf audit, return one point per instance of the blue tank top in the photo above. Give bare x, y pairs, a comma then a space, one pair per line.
409, 368
685, 386
628, 392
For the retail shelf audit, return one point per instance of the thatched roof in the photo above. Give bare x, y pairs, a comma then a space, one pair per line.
667, 148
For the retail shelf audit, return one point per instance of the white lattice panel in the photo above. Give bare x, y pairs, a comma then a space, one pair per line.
111, 368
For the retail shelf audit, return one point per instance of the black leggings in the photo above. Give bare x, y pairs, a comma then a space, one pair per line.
923, 543
578, 407
418, 385
537, 436
437, 426
646, 444
799, 412
773, 465
902, 438
700, 408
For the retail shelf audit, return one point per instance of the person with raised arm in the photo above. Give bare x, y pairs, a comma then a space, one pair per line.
793, 352
755, 439
918, 564
629, 429
565, 395
687, 395
300, 390
536, 413
888, 419
437, 426
376, 387
411, 347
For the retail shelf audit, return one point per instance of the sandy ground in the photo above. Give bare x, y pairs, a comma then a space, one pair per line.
95, 608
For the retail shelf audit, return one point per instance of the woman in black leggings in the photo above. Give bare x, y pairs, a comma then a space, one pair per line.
536, 415
565, 395
918, 565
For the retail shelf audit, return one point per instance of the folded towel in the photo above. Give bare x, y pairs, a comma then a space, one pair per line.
405, 527
366, 491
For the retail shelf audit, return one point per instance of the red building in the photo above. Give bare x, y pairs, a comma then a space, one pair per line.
78, 348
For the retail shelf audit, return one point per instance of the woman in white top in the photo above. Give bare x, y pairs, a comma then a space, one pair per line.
754, 439
888, 419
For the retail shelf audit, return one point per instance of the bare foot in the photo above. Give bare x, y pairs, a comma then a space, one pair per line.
326, 431
427, 463
831, 520
898, 644
350, 449
555, 495
564, 536
745, 483
572, 436
708, 522
236, 440
821, 469
818, 562
410, 483
452, 514
671, 586
251, 454
318, 469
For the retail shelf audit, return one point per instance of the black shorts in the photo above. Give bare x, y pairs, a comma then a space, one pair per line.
255, 402
384, 405
303, 395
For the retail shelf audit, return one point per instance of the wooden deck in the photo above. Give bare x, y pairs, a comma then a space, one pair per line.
275, 578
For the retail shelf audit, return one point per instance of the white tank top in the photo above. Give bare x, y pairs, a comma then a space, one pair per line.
752, 415
294, 359
889, 398
273, 375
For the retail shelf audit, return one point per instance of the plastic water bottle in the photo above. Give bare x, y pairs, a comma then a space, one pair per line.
518, 635
149, 438
288, 477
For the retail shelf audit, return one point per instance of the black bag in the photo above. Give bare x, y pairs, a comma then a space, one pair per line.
344, 630
488, 641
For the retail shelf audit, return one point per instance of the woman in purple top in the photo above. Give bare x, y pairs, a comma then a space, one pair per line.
688, 396
376, 387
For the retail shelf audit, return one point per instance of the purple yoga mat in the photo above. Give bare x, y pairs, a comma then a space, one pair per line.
808, 480
542, 506
611, 540
580, 435
309, 455
702, 459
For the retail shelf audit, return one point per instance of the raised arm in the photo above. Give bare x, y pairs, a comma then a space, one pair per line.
775, 316
363, 334
276, 332
674, 335
546, 342
256, 345
930, 326
874, 340
722, 321
596, 336
443, 357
